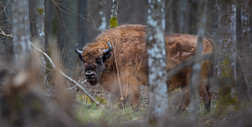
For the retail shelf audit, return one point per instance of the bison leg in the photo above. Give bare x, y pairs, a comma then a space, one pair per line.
186, 99
205, 95
204, 90
185, 78
134, 96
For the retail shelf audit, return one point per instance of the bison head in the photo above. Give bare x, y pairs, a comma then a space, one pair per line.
94, 58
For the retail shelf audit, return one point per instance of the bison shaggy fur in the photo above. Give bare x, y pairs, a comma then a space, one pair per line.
123, 68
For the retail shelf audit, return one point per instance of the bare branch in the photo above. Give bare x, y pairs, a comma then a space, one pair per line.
5, 35
67, 77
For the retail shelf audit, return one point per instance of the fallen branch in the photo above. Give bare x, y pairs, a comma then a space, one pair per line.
186, 63
67, 77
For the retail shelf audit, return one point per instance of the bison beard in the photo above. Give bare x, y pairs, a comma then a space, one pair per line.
128, 59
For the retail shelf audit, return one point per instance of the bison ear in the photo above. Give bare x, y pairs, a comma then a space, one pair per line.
106, 56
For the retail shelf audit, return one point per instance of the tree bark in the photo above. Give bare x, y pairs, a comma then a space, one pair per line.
227, 54
157, 59
37, 24
21, 32
244, 49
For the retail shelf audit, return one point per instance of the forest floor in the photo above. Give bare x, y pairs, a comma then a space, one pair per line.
110, 112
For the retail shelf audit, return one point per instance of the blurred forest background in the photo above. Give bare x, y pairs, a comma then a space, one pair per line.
34, 94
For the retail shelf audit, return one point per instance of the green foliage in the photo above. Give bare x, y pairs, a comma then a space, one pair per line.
113, 22
83, 98
101, 100
40, 11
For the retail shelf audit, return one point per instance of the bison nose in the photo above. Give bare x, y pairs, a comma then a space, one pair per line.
90, 74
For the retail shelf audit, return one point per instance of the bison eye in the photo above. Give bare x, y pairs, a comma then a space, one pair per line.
99, 60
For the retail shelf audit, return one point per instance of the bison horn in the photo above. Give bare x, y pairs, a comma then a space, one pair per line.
77, 50
108, 49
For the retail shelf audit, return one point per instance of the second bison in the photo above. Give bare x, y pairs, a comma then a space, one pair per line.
117, 60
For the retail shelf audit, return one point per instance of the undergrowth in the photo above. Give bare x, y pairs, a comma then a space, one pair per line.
108, 113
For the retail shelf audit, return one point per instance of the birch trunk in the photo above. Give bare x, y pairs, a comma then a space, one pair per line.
195, 79
21, 32
157, 59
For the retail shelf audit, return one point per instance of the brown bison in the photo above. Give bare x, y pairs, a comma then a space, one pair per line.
117, 60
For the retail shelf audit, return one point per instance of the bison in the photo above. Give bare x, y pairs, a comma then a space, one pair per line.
117, 60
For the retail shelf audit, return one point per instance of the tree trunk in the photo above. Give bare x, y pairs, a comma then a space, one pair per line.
21, 32
102, 16
82, 24
169, 27
195, 79
244, 50
157, 59
37, 24
67, 33
227, 55
183, 16
49, 21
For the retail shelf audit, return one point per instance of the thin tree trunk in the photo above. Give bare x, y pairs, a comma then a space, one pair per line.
82, 23
195, 79
183, 16
49, 17
37, 24
157, 59
169, 28
21, 32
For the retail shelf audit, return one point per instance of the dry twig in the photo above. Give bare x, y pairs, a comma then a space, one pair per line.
2, 33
